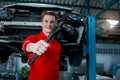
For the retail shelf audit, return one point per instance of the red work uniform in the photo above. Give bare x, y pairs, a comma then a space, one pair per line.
46, 66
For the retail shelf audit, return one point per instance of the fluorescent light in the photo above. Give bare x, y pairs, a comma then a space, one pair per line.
113, 23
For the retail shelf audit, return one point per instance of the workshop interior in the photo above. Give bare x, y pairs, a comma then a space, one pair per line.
89, 31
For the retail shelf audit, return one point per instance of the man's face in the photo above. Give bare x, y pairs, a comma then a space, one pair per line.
48, 23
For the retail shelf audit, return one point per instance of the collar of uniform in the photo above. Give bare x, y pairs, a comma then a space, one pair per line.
44, 36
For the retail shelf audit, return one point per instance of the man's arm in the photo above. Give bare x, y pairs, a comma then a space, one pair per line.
39, 48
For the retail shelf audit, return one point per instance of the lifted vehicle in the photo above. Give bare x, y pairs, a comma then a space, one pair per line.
19, 20
22, 19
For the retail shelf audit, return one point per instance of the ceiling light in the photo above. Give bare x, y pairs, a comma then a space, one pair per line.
113, 23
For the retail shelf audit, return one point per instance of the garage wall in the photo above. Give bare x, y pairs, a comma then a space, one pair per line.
108, 54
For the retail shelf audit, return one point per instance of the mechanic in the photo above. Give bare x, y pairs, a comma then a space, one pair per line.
46, 65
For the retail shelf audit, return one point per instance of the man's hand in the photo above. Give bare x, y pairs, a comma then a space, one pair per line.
39, 48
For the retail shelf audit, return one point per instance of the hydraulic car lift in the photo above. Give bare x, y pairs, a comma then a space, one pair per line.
90, 48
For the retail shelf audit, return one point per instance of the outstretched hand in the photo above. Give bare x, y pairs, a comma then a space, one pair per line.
40, 47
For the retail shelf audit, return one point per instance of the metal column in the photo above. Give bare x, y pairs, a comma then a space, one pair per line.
90, 48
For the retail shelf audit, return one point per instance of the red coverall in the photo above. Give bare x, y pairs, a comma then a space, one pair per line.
46, 66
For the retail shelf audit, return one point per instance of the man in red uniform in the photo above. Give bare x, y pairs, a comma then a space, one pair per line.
46, 65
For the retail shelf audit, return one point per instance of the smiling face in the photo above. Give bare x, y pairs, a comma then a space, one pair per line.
48, 24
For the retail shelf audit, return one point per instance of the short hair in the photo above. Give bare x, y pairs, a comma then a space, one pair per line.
48, 13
